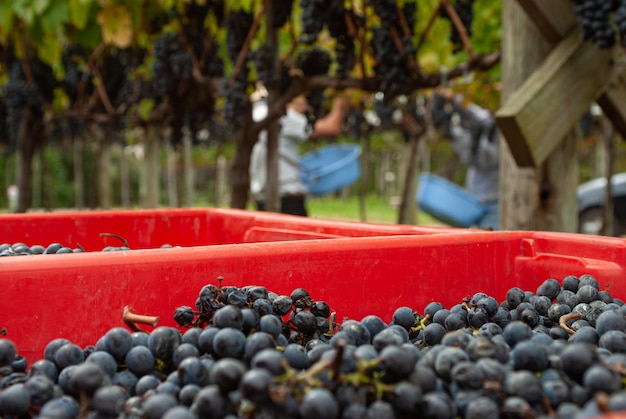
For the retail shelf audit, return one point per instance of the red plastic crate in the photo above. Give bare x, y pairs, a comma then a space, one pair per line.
145, 229
81, 296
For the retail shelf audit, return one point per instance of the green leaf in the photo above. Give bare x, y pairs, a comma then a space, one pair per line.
79, 12
7, 17
24, 10
50, 50
145, 108
39, 6
88, 37
56, 16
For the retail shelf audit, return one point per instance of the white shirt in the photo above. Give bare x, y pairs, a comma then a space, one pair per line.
482, 175
293, 132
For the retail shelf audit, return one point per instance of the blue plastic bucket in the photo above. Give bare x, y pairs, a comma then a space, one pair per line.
448, 202
330, 168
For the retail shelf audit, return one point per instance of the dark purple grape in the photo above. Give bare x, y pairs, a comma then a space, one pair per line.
211, 403
184, 316
140, 360
304, 321
528, 355
271, 360
156, 405
396, 363
163, 341
68, 354
147, 383
228, 316
282, 305
40, 389
229, 342
183, 351
64, 407
319, 402
256, 342
118, 341
109, 400
8, 352
523, 384
227, 373
44, 367
255, 385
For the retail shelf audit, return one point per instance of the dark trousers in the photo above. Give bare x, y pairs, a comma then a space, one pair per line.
289, 204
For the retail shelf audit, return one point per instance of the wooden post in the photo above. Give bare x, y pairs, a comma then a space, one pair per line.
542, 198
272, 193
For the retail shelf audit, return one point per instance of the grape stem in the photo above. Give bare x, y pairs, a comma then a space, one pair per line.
567, 317
117, 236
129, 316
456, 20
431, 22
241, 58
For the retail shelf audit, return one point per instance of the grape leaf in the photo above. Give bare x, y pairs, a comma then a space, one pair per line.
117, 26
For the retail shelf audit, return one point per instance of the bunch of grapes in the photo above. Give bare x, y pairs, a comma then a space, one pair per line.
263, 59
281, 10
594, 17
19, 93
465, 10
392, 67
393, 61
316, 14
236, 97
313, 18
171, 63
344, 43
314, 62
238, 24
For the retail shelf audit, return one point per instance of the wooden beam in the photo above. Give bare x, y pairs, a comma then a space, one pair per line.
554, 18
538, 115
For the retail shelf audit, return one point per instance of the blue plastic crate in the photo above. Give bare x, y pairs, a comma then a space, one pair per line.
330, 168
448, 202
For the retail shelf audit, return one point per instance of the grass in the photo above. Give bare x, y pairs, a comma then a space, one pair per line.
377, 210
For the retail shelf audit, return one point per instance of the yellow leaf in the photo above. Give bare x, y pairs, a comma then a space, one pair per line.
116, 26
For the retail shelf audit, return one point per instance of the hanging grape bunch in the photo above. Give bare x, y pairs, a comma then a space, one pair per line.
238, 24
603, 23
464, 9
393, 48
314, 62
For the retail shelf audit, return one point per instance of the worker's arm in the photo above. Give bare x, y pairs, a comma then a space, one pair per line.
331, 124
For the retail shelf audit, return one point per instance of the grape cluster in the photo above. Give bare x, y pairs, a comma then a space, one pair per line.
594, 17
263, 59
171, 63
18, 92
465, 10
281, 10
238, 24
558, 351
316, 14
314, 62
393, 60
313, 18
